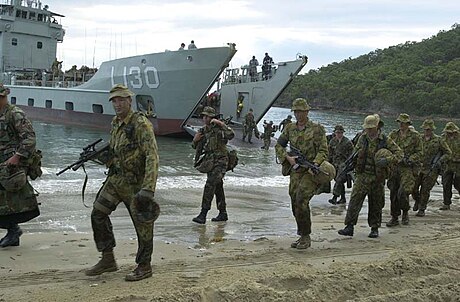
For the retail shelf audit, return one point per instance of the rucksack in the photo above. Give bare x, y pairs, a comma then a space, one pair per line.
232, 160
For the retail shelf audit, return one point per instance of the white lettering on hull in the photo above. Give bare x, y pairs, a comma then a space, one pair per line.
134, 77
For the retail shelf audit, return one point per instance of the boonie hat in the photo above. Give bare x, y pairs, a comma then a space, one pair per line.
300, 104
451, 128
209, 111
371, 121
4, 91
381, 123
428, 124
404, 118
339, 128
121, 91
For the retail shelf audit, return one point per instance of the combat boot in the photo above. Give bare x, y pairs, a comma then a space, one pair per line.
304, 242
201, 218
347, 231
393, 222
221, 217
445, 207
333, 200
374, 233
342, 200
294, 244
420, 213
12, 237
405, 218
106, 264
142, 271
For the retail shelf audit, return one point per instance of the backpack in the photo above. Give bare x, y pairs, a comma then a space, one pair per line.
232, 160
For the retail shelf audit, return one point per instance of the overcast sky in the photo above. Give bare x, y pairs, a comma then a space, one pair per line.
326, 31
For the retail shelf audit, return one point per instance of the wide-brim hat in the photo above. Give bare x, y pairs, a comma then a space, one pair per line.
300, 104
121, 91
371, 121
404, 118
209, 111
451, 128
428, 124
339, 128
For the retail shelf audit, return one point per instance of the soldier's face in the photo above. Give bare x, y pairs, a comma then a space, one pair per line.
339, 134
301, 115
3, 101
427, 132
207, 119
404, 126
371, 131
121, 106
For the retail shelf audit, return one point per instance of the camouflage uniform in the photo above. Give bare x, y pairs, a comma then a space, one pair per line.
16, 137
133, 167
215, 150
432, 146
370, 179
311, 141
339, 151
268, 130
249, 126
451, 173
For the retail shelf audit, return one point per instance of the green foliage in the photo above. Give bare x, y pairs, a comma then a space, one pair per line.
418, 78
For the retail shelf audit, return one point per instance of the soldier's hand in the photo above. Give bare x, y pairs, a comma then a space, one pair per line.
217, 122
291, 159
13, 160
198, 136
146, 209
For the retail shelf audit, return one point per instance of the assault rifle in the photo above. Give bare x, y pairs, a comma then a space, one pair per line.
90, 152
302, 161
435, 161
348, 167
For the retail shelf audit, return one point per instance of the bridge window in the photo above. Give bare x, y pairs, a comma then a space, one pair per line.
24, 14
48, 103
30, 102
39, 45
68, 106
40, 17
97, 108
14, 41
13, 100
32, 16
18, 13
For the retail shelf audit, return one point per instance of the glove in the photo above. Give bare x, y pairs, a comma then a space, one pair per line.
146, 209
382, 162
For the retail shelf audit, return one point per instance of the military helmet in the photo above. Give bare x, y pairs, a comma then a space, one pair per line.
121, 91
209, 111
12, 182
428, 124
339, 128
4, 91
404, 118
322, 178
371, 121
300, 104
383, 154
451, 128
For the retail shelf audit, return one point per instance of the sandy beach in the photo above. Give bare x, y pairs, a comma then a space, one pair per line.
419, 262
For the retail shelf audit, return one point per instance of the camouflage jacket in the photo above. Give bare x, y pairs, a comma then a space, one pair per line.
454, 145
431, 148
284, 123
16, 133
366, 147
339, 151
311, 141
215, 139
133, 151
249, 120
268, 130
411, 145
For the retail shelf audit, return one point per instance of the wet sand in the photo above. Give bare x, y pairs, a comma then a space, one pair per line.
419, 262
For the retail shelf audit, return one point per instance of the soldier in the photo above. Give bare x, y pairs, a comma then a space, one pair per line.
340, 148
355, 139
268, 131
253, 63
284, 122
239, 105
435, 152
18, 202
310, 139
214, 135
402, 180
376, 153
132, 177
451, 173
249, 126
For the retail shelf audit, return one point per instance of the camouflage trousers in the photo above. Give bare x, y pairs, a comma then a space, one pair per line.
450, 178
423, 185
366, 185
114, 191
302, 187
247, 131
215, 186
401, 184
267, 142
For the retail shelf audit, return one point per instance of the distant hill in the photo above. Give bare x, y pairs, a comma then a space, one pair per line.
420, 78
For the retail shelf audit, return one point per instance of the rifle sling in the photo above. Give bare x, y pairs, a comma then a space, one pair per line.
84, 187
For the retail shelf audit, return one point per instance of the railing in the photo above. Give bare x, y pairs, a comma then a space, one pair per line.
233, 76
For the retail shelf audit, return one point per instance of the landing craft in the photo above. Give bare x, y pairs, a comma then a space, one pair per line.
167, 85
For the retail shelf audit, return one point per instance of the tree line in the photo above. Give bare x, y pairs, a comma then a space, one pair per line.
420, 78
